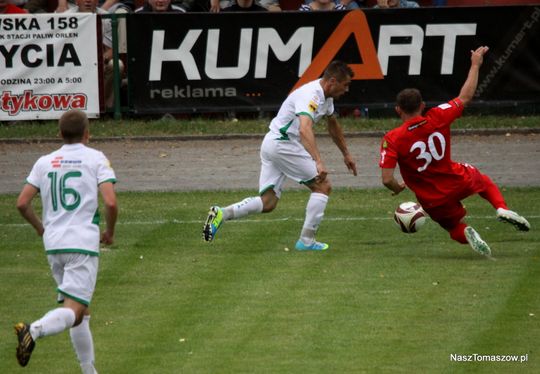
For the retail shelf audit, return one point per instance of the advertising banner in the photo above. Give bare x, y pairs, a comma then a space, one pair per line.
202, 62
48, 64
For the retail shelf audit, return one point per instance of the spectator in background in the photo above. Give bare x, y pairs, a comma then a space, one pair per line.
37, 6
64, 5
31, 6
316, 5
271, 5
217, 5
383, 4
90, 6
244, 6
160, 6
122, 6
7, 8
347, 4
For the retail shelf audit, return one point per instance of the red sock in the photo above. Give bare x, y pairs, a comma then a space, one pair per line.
492, 194
458, 233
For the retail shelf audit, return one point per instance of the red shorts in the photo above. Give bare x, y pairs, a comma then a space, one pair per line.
450, 213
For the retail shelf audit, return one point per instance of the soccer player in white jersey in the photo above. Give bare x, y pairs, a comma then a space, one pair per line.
289, 150
68, 181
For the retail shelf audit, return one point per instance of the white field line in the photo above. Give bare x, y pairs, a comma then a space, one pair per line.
263, 220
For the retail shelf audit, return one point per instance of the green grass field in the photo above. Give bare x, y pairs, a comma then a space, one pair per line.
379, 301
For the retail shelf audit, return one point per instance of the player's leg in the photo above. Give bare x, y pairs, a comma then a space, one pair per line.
75, 274
450, 217
53, 322
83, 343
217, 215
314, 214
270, 184
78, 287
492, 194
292, 160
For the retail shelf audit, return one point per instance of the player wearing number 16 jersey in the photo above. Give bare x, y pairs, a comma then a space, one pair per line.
421, 147
68, 181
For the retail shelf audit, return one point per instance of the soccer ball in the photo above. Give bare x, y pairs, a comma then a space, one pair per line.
409, 217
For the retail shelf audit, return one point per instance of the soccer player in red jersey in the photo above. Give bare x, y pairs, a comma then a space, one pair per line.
421, 148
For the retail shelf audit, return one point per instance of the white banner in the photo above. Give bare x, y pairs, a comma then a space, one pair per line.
48, 65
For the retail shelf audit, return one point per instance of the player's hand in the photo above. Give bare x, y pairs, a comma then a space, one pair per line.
107, 238
477, 56
401, 187
322, 172
351, 165
40, 231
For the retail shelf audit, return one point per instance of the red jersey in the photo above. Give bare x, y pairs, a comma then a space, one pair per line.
421, 148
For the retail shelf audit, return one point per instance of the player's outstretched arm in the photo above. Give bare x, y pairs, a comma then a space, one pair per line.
336, 133
24, 205
469, 87
111, 211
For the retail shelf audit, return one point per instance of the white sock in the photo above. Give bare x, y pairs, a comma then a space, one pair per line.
88, 369
52, 323
81, 337
314, 215
241, 209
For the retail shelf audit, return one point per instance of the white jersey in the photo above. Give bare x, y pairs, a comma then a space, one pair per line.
306, 100
68, 181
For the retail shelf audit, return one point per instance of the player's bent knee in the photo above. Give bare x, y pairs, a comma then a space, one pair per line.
322, 187
79, 309
269, 200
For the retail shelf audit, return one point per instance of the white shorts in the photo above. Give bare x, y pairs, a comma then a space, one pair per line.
281, 159
75, 274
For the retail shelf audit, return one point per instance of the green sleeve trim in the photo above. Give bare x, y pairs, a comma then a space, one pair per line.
306, 114
31, 184
72, 250
112, 180
270, 187
81, 301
